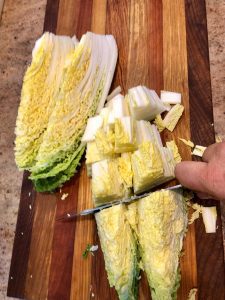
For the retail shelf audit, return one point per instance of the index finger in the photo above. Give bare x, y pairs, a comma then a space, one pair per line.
215, 150
191, 175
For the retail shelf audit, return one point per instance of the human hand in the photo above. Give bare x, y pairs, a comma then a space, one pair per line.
207, 178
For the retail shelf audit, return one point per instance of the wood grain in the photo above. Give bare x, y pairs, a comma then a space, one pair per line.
74, 17
37, 278
175, 74
63, 244
1, 8
155, 51
21, 247
82, 268
210, 259
51, 14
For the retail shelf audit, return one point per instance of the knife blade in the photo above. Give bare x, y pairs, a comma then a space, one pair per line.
72, 215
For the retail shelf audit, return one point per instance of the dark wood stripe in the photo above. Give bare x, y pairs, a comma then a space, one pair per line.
51, 15
41, 246
63, 244
21, 247
74, 17
210, 259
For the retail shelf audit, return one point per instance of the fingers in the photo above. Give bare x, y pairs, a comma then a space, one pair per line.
191, 175
204, 196
214, 151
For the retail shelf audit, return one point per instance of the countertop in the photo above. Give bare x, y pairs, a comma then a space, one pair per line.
20, 25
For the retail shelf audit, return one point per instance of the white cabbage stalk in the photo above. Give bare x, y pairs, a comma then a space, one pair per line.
119, 109
166, 155
144, 104
144, 132
170, 97
199, 150
93, 124
209, 215
104, 113
114, 93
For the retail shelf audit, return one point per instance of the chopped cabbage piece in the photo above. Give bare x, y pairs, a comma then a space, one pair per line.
209, 215
192, 294
93, 124
159, 123
144, 132
218, 138
107, 183
198, 150
170, 97
187, 142
125, 169
119, 109
147, 166
196, 214
173, 147
114, 93
144, 104
105, 141
172, 117
125, 138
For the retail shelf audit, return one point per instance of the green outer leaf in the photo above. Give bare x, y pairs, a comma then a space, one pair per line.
49, 184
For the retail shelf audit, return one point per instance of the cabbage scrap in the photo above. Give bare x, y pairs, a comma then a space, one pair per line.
125, 137
144, 104
187, 142
173, 147
198, 150
172, 117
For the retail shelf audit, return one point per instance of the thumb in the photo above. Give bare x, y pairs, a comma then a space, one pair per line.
192, 175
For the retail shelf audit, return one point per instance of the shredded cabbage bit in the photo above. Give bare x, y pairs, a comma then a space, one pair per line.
173, 147
159, 123
172, 117
187, 142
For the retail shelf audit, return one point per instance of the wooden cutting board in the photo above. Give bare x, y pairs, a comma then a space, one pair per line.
163, 45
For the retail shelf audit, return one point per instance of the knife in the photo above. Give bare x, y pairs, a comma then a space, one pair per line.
72, 215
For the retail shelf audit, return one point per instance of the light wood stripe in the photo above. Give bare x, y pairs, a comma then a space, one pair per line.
175, 75
81, 272
98, 16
